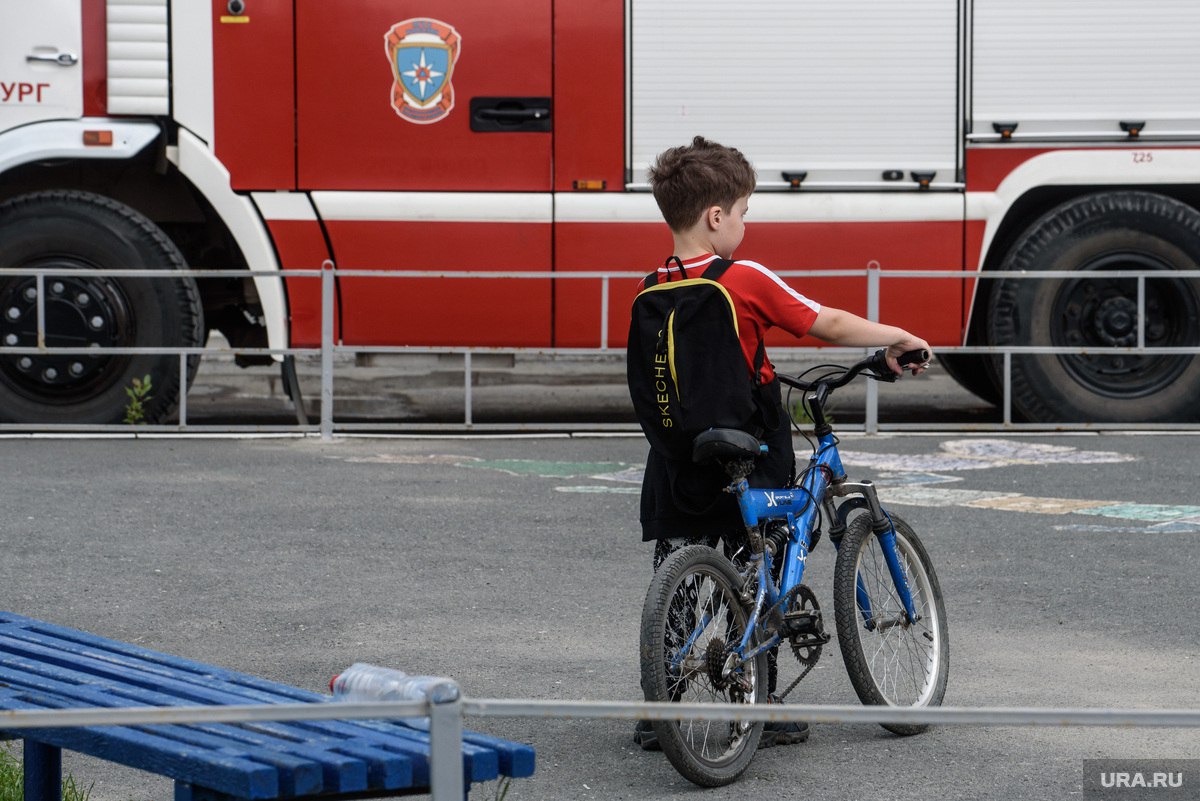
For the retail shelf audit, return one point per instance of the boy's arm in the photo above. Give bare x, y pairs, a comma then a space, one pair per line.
839, 327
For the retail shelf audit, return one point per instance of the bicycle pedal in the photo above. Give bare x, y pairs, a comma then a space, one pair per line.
810, 640
805, 623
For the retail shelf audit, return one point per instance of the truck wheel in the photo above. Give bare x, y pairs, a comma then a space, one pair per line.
1095, 235
75, 231
973, 373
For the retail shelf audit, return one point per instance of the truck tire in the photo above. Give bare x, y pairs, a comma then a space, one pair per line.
79, 230
974, 373
1095, 234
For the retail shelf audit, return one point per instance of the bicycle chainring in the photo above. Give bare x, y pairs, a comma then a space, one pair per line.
806, 647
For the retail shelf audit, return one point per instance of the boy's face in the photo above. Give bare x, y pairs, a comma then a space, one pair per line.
729, 227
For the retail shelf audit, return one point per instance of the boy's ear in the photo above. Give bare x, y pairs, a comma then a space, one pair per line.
713, 216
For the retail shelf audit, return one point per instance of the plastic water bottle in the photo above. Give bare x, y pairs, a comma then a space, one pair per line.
363, 683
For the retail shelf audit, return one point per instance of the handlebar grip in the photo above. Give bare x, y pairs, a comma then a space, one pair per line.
919, 356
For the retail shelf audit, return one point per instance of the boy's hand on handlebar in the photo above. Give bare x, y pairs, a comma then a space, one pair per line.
911, 353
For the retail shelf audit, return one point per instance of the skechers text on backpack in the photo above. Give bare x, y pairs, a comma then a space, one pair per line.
684, 361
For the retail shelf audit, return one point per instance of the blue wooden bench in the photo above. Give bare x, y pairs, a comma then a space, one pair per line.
43, 666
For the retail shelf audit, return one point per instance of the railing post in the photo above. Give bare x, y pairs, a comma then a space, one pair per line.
467, 388
1141, 311
445, 750
40, 281
1007, 419
604, 313
327, 295
871, 413
183, 390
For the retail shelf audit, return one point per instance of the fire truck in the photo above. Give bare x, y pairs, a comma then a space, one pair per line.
496, 136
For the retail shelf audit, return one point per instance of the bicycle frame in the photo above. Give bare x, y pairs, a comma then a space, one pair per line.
800, 506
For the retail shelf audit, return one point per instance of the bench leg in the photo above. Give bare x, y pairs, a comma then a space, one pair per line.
43, 772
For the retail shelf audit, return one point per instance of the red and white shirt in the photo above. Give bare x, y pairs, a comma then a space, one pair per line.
761, 301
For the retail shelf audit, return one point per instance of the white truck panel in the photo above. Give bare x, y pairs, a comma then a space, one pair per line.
1079, 67
33, 90
141, 24
192, 81
843, 90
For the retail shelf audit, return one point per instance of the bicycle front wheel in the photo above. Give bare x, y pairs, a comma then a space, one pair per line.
692, 619
892, 661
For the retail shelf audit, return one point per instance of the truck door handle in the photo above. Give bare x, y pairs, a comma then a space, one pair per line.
513, 114
61, 59
500, 114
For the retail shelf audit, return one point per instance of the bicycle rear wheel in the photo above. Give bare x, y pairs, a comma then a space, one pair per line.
692, 618
890, 661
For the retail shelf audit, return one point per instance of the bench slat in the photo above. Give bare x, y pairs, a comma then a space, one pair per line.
131, 680
126, 746
338, 770
367, 766
51, 666
297, 776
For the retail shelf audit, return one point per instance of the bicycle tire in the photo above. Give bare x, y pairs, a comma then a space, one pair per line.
896, 665
693, 580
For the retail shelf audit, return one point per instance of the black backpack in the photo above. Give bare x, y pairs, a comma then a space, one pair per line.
684, 362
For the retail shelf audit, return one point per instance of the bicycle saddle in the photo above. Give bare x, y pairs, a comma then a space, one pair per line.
724, 445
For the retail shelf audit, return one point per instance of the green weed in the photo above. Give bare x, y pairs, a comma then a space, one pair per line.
139, 393
12, 778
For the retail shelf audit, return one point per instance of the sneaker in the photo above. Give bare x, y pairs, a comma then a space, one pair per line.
778, 733
783, 732
645, 736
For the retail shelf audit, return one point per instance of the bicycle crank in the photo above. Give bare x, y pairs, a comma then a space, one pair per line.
806, 632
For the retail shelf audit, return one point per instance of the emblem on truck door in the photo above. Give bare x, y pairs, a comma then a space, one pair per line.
422, 53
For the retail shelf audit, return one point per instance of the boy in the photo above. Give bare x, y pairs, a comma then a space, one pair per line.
703, 191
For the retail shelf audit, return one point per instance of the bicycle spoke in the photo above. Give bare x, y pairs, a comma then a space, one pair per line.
899, 654
703, 620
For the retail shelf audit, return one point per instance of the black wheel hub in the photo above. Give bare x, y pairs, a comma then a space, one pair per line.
80, 312
1102, 311
1116, 322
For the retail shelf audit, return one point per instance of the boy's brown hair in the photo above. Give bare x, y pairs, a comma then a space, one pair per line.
687, 180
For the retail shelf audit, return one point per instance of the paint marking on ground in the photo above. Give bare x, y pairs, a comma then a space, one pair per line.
552, 469
982, 454
929, 496
599, 489
912, 481
1041, 506
1149, 512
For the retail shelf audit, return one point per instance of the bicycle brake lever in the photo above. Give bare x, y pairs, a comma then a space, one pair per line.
879, 367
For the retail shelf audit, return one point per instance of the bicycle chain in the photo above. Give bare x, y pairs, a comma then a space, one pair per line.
806, 654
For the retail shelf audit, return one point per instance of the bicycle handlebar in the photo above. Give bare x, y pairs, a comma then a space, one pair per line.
875, 364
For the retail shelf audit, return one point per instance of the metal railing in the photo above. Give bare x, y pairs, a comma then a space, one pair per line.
446, 719
329, 347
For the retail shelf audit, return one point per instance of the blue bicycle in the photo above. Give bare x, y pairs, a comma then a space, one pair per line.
710, 626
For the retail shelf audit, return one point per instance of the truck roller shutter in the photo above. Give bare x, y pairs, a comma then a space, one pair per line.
844, 92
1080, 68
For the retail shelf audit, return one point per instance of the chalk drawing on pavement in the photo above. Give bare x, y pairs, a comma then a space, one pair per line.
904, 480
981, 454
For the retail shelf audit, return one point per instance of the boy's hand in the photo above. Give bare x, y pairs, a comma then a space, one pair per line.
905, 345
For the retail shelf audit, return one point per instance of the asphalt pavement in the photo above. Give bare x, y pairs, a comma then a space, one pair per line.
514, 566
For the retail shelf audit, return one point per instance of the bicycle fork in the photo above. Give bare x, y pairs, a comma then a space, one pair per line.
885, 531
